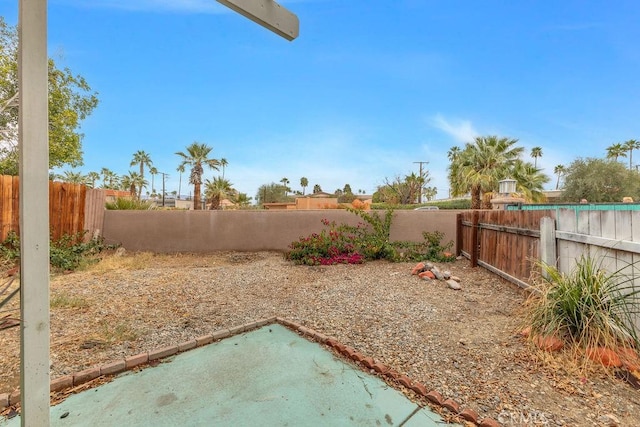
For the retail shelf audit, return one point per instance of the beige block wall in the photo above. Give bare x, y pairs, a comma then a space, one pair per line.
210, 231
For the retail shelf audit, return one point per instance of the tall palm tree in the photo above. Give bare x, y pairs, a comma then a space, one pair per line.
285, 182
480, 165
196, 156
180, 170
92, 177
304, 182
559, 170
143, 159
218, 189
153, 171
453, 152
631, 145
223, 163
616, 150
535, 153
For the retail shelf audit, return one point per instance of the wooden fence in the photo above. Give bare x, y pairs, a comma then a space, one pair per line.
66, 208
509, 243
504, 242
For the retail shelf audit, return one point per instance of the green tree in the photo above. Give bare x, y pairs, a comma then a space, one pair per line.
217, 190
180, 170
72, 177
317, 189
243, 200
480, 165
304, 183
616, 150
402, 190
631, 145
347, 189
535, 153
598, 181
196, 156
133, 182
71, 100
559, 170
110, 179
92, 178
223, 163
271, 193
529, 181
153, 172
285, 183
142, 159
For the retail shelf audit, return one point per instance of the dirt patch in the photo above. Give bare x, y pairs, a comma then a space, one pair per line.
464, 344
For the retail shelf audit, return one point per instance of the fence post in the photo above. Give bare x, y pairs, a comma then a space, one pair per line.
458, 248
474, 238
548, 242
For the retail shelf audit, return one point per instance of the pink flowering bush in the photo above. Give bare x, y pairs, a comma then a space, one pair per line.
330, 246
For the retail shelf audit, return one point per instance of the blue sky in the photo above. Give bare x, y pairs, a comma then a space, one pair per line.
366, 90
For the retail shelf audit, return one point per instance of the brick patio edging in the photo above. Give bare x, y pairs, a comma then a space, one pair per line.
367, 363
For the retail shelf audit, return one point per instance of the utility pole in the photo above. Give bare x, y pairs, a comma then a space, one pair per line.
421, 187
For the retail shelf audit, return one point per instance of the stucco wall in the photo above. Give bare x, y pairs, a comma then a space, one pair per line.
210, 231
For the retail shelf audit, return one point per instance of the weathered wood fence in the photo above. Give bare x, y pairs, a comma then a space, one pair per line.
510, 243
73, 208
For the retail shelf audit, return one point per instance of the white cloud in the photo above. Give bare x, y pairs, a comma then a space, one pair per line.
461, 130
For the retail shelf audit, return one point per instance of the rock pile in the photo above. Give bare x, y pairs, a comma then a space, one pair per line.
428, 271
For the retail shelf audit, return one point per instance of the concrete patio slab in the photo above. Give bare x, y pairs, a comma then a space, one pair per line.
268, 377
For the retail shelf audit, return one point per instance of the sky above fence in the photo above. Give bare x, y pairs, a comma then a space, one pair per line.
368, 89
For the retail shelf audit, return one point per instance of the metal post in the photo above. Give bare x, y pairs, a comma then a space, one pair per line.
163, 177
34, 212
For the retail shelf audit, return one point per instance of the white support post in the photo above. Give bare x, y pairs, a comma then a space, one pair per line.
34, 212
548, 253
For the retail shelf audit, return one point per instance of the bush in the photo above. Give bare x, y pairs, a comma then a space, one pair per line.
68, 253
588, 308
129, 204
367, 240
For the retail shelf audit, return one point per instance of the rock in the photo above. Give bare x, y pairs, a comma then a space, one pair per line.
428, 265
120, 251
419, 268
447, 275
437, 273
427, 275
609, 420
456, 278
454, 285
549, 343
604, 356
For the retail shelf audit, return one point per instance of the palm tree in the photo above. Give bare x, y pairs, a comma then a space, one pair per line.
285, 182
143, 159
242, 199
110, 179
480, 165
559, 170
92, 177
217, 190
223, 163
73, 177
133, 182
631, 145
616, 150
317, 189
153, 171
304, 182
453, 153
180, 170
529, 181
535, 153
196, 156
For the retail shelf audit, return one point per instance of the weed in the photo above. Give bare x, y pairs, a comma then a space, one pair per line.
129, 204
68, 301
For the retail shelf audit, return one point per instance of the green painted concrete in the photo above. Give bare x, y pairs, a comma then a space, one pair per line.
267, 377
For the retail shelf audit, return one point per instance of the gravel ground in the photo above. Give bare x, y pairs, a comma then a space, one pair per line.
463, 344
